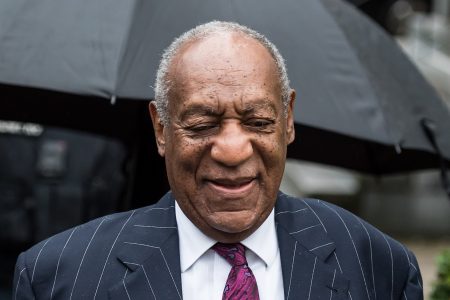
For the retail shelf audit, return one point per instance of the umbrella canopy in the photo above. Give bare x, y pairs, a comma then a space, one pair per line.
360, 102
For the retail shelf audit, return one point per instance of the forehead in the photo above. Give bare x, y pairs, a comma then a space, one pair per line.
229, 61
223, 45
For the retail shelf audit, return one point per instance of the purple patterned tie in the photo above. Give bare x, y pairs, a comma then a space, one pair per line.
241, 283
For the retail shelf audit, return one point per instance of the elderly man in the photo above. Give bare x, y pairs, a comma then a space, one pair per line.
223, 117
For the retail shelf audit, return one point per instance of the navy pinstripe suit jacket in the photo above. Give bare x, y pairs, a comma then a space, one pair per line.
326, 253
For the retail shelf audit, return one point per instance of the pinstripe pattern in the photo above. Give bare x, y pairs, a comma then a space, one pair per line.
59, 260
155, 227
392, 268
82, 259
37, 259
337, 247
18, 282
354, 247
148, 281
326, 253
419, 282
165, 262
126, 291
332, 284
292, 270
303, 229
371, 254
412, 264
337, 261
312, 278
112, 247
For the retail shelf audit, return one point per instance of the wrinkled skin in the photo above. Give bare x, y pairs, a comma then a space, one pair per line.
225, 146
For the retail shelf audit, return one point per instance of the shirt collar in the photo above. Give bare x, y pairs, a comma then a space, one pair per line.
264, 241
194, 243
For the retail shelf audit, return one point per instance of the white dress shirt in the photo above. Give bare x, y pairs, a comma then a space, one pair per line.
204, 272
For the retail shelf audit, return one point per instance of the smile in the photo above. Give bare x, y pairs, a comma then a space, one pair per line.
236, 188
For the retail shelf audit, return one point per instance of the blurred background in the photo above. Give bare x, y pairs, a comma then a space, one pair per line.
419, 213
50, 182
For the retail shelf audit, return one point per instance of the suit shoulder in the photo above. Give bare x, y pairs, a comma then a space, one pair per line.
97, 233
353, 225
350, 231
358, 241
86, 255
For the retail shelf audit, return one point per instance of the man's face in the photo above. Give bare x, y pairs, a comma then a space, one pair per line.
225, 146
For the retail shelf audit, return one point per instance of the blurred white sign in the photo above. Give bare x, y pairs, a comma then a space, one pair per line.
19, 128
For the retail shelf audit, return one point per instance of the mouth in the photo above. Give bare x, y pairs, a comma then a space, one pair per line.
232, 187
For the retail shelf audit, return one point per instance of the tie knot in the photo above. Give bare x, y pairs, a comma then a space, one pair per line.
233, 253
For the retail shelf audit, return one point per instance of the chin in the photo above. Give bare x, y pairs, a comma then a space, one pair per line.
229, 223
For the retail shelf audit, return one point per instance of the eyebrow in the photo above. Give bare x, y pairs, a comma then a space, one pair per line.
250, 108
197, 110
202, 109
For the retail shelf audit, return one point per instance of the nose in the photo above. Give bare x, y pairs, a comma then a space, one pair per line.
232, 146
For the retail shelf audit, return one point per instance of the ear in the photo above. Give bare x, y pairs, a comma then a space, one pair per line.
290, 128
158, 127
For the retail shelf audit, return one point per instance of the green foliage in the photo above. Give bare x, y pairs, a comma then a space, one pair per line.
441, 288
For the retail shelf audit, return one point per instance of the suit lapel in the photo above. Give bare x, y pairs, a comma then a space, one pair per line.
150, 251
305, 249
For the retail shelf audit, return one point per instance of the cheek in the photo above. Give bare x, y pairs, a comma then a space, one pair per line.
185, 157
272, 153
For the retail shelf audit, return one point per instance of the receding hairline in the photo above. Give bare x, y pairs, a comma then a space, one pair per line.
186, 46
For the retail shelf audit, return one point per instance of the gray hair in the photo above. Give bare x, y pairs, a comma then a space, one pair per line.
163, 82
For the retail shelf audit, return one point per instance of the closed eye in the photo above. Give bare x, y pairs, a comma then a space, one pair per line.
202, 127
259, 123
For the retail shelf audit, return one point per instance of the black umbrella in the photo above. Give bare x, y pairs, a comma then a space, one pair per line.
361, 104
